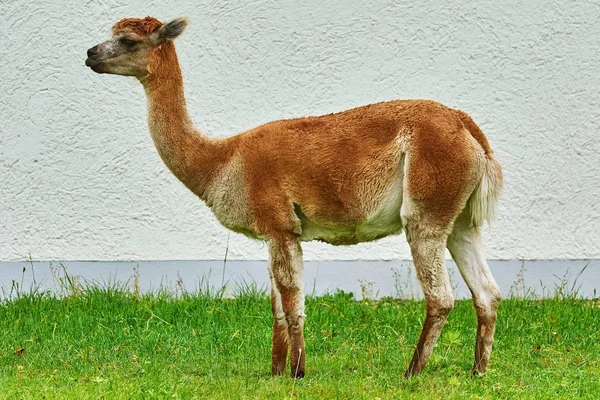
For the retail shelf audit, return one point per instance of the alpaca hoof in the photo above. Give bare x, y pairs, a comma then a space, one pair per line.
298, 375
410, 372
277, 371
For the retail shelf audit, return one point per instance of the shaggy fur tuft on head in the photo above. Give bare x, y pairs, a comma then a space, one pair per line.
141, 26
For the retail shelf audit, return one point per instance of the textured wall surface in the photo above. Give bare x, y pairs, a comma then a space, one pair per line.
81, 180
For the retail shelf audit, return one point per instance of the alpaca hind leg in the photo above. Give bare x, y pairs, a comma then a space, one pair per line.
466, 249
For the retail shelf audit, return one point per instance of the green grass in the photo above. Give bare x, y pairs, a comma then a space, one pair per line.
106, 342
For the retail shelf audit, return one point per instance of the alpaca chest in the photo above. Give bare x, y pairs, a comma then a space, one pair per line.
228, 200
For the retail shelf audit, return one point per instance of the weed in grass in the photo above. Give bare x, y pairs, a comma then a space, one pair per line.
403, 284
367, 290
518, 289
566, 288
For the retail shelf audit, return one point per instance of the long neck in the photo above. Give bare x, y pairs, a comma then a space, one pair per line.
192, 157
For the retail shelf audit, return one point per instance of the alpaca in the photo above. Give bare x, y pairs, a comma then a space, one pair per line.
410, 166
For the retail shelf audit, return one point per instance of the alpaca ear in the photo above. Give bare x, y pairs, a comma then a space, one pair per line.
169, 31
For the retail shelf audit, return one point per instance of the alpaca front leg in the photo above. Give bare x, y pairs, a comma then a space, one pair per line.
287, 270
280, 332
295, 316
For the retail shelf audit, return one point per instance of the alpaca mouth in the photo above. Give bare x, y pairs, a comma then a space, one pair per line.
90, 62
94, 65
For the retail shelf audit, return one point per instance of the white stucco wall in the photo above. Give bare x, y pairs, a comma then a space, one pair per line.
81, 180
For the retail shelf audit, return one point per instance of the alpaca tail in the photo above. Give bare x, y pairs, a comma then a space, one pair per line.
484, 199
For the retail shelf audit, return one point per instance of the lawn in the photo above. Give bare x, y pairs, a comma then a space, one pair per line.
112, 343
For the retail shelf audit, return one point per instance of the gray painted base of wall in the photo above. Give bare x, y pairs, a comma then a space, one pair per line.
368, 278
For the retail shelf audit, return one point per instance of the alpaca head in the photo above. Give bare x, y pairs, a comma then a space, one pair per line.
136, 47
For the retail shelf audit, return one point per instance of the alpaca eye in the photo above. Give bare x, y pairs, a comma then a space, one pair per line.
128, 43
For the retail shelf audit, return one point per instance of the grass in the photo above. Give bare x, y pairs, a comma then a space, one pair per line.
106, 341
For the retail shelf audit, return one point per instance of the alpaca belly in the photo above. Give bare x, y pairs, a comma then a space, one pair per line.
336, 235
383, 221
347, 235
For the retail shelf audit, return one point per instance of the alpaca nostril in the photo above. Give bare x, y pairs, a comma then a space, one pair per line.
93, 51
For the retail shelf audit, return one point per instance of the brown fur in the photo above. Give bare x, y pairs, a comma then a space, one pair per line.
343, 178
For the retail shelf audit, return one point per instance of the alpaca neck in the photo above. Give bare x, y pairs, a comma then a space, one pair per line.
192, 157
